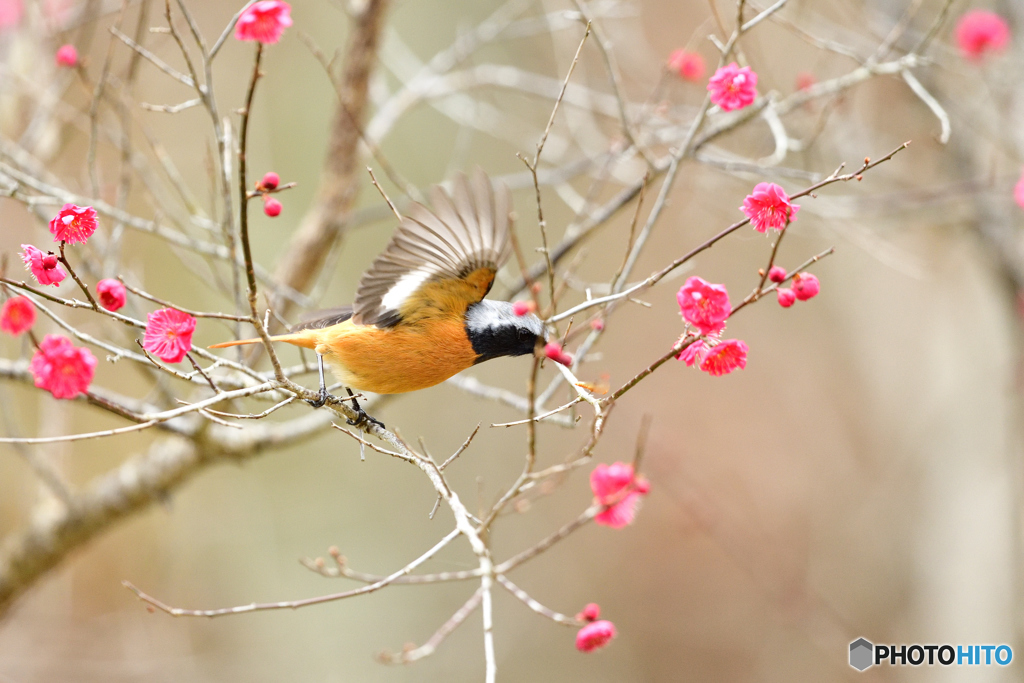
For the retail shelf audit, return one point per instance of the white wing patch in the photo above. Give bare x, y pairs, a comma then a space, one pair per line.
405, 287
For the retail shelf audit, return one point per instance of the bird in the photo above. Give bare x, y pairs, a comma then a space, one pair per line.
419, 314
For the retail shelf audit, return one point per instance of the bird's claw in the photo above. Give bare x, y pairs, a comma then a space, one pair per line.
320, 401
362, 417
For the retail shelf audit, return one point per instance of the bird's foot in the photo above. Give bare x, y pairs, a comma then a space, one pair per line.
362, 418
323, 398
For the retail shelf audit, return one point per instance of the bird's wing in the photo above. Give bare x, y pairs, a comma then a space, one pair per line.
442, 257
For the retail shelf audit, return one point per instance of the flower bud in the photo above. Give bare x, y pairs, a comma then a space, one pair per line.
271, 206
777, 274
590, 613
270, 181
594, 636
67, 55
805, 286
523, 307
553, 350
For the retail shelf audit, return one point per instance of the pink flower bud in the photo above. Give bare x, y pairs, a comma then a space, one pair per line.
590, 613
805, 286
597, 324
805, 80
979, 32
271, 206
1018, 191
777, 274
111, 293
594, 636
689, 65
270, 181
523, 307
44, 267
786, 296
67, 55
553, 350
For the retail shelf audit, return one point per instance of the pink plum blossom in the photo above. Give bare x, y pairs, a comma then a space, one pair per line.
17, 315
733, 87
264, 21
73, 224
768, 206
725, 357
694, 353
169, 334
704, 305
618, 487
62, 368
10, 13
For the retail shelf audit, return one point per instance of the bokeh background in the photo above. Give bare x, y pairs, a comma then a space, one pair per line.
861, 477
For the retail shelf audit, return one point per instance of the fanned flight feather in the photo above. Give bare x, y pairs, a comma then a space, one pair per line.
460, 234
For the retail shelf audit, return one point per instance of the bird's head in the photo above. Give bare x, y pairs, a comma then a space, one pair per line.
495, 330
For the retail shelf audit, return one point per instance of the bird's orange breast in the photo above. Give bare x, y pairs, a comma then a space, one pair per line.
406, 357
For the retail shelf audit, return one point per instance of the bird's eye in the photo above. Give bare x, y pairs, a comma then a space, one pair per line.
524, 334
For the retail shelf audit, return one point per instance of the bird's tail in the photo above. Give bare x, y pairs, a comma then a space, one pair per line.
303, 339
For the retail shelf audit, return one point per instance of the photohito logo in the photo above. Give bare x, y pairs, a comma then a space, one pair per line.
864, 654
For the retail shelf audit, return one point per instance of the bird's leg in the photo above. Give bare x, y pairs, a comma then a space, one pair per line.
322, 400
361, 416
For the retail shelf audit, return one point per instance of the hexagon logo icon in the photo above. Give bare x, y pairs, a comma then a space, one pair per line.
861, 654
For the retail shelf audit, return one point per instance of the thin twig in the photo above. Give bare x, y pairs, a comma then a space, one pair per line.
384, 194
542, 224
430, 647
463, 447
534, 604
71, 271
167, 304
293, 604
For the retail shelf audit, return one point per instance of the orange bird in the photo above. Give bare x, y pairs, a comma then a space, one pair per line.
420, 315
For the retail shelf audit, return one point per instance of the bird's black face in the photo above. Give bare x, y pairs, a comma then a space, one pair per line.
495, 330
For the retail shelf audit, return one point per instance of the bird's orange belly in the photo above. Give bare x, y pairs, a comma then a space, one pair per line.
396, 360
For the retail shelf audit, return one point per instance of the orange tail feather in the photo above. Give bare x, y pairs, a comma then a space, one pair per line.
303, 339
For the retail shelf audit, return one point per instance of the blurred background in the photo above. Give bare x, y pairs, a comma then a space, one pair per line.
861, 477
